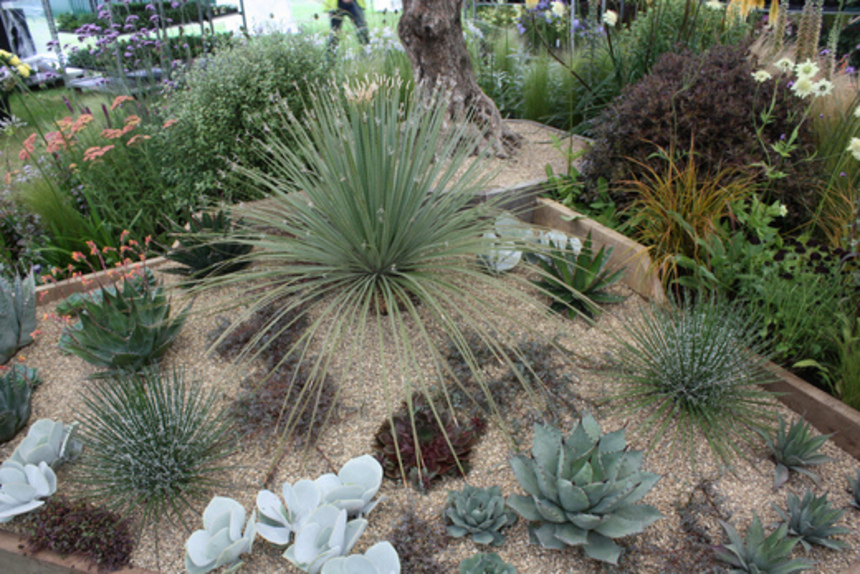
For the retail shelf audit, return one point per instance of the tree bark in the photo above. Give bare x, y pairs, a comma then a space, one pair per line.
431, 31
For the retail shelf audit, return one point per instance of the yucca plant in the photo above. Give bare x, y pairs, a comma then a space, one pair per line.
695, 369
374, 233
580, 279
795, 448
812, 520
758, 553
154, 443
126, 330
205, 248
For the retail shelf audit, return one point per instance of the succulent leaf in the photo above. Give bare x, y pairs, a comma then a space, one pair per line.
222, 540
479, 512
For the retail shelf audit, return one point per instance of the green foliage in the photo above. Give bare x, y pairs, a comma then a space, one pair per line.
759, 553
480, 512
137, 55
231, 102
205, 249
423, 441
154, 443
854, 489
795, 448
16, 387
486, 564
17, 314
813, 521
583, 489
696, 370
579, 278
76, 527
125, 331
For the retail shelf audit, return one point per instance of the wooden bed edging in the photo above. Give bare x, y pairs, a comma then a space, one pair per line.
51, 292
15, 559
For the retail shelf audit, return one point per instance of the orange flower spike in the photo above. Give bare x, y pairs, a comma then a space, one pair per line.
119, 100
82, 122
147, 240
170, 123
133, 120
123, 236
30, 142
78, 256
111, 134
94, 250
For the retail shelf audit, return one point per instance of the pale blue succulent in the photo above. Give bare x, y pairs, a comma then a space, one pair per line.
277, 521
23, 487
325, 535
222, 539
351, 489
47, 441
506, 241
381, 558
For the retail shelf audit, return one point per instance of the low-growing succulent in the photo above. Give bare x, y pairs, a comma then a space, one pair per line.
583, 489
420, 543
759, 553
351, 489
854, 489
154, 443
48, 441
578, 278
75, 303
222, 539
127, 330
486, 564
24, 487
77, 527
505, 244
17, 314
795, 448
381, 558
206, 247
16, 389
481, 512
432, 456
326, 534
812, 520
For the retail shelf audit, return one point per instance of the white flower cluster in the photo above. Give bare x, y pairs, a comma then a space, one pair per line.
804, 85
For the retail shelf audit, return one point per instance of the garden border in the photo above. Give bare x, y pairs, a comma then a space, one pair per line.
826, 413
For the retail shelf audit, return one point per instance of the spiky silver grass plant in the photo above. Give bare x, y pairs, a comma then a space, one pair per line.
695, 369
377, 232
154, 445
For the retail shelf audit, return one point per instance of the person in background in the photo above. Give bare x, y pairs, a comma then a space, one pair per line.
354, 9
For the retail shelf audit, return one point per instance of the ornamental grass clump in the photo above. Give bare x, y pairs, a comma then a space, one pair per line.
695, 370
154, 443
373, 234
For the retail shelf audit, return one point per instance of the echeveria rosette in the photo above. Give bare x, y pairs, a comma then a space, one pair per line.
23, 487
277, 521
480, 512
47, 441
582, 490
325, 535
381, 558
486, 564
222, 540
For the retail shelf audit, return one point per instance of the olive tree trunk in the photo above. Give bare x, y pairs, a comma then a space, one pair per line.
432, 34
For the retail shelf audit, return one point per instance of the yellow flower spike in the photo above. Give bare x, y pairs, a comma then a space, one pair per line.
24, 70
14, 61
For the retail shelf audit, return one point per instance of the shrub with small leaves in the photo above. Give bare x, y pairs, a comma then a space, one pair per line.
759, 553
154, 443
75, 527
795, 448
206, 248
813, 521
480, 512
486, 564
432, 456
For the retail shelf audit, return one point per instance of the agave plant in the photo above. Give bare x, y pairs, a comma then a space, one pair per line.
480, 512
795, 448
351, 489
17, 314
759, 553
583, 489
812, 520
577, 277
486, 564
372, 210
206, 248
127, 331
325, 535
381, 558
422, 442
23, 487
48, 441
854, 489
697, 369
16, 388
222, 540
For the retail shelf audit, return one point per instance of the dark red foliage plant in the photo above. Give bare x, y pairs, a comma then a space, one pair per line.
77, 527
443, 444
